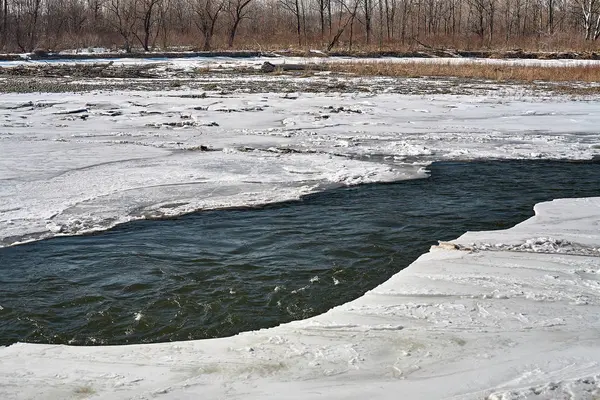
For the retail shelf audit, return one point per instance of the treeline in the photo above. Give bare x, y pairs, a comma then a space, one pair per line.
26, 25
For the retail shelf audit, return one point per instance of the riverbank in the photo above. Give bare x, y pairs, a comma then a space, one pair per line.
422, 53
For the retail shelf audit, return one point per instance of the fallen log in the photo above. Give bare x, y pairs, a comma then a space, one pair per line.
268, 67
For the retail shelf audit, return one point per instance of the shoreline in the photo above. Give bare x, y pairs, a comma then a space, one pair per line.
425, 53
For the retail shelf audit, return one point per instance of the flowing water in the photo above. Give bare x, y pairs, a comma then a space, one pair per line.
218, 273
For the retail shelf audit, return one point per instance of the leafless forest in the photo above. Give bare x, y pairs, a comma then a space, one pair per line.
321, 24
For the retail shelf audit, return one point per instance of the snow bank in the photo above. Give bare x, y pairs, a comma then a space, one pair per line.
456, 324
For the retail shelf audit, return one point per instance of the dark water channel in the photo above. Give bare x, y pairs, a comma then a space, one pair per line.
218, 273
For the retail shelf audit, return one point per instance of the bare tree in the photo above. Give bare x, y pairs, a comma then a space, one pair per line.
124, 19
550, 8
483, 13
293, 6
148, 13
238, 10
27, 24
323, 6
4, 27
95, 7
590, 18
406, 16
390, 17
27, 18
367, 8
207, 13
350, 12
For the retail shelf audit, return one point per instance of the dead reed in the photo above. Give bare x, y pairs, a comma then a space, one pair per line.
487, 71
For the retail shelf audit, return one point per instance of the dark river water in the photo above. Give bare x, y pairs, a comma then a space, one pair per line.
218, 273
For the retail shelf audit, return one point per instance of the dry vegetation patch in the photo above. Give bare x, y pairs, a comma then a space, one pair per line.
495, 72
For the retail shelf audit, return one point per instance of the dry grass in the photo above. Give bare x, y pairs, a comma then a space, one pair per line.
590, 73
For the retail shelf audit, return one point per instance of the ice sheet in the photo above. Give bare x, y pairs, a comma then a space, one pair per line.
77, 163
456, 324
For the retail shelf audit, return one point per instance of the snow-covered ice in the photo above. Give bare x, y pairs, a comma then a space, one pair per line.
77, 163
456, 324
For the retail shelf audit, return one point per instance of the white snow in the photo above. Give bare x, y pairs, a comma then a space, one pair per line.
78, 163
456, 324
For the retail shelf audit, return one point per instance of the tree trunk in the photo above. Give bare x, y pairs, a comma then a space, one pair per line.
5, 24
232, 32
322, 18
207, 40
368, 16
298, 22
